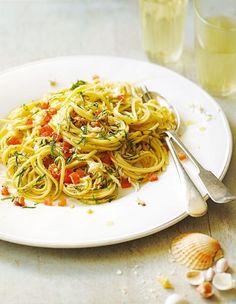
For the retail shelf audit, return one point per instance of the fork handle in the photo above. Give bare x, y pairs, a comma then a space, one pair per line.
216, 190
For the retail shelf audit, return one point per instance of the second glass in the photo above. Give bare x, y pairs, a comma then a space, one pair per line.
163, 29
215, 45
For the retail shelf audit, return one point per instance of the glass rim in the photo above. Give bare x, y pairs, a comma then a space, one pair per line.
208, 23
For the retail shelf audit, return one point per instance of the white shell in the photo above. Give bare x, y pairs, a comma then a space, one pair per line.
194, 277
209, 274
176, 299
196, 250
222, 265
205, 290
223, 281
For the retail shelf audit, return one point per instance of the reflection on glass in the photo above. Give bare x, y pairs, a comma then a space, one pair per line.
163, 29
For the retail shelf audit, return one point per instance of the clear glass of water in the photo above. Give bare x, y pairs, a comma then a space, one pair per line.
163, 29
215, 45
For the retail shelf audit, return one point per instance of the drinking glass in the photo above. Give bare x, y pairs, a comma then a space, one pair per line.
215, 45
163, 29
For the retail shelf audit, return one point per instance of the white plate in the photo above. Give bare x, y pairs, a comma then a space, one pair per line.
207, 135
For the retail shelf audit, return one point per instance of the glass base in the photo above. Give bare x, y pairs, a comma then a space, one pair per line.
162, 58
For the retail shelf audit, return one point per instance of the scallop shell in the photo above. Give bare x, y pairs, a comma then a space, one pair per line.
196, 250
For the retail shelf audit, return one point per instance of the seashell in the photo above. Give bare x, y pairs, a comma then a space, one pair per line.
209, 274
176, 299
223, 281
194, 277
222, 265
205, 290
196, 250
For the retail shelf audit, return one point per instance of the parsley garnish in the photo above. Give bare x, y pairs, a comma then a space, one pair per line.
19, 175
17, 154
8, 197
77, 84
40, 178
82, 140
29, 207
84, 129
52, 148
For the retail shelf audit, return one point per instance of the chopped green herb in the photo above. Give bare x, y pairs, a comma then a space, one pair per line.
19, 175
105, 137
82, 97
84, 129
77, 84
69, 159
25, 108
95, 200
8, 198
82, 140
40, 178
16, 155
52, 148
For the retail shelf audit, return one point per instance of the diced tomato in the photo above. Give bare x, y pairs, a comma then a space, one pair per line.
97, 112
75, 178
48, 202
29, 121
121, 97
47, 161
95, 123
13, 140
66, 146
57, 137
66, 149
19, 201
67, 154
81, 172
152, 177
52, 111
125, 183
5, 191
46, 131
55, 171
106, 158
62, 202
44, 105
67, 178
47, 117
182, 155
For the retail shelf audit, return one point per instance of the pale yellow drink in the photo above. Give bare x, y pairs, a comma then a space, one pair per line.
216, 54
163, 29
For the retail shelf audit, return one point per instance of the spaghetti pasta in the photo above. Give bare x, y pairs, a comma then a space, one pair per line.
85, 142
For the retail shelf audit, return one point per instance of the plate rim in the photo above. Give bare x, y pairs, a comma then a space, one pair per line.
132, 236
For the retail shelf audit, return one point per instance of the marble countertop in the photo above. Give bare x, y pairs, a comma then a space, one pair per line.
124, 273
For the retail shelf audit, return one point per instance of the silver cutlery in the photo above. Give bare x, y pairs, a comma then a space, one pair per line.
216, 190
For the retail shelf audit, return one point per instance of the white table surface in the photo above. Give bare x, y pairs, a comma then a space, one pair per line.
125, 273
